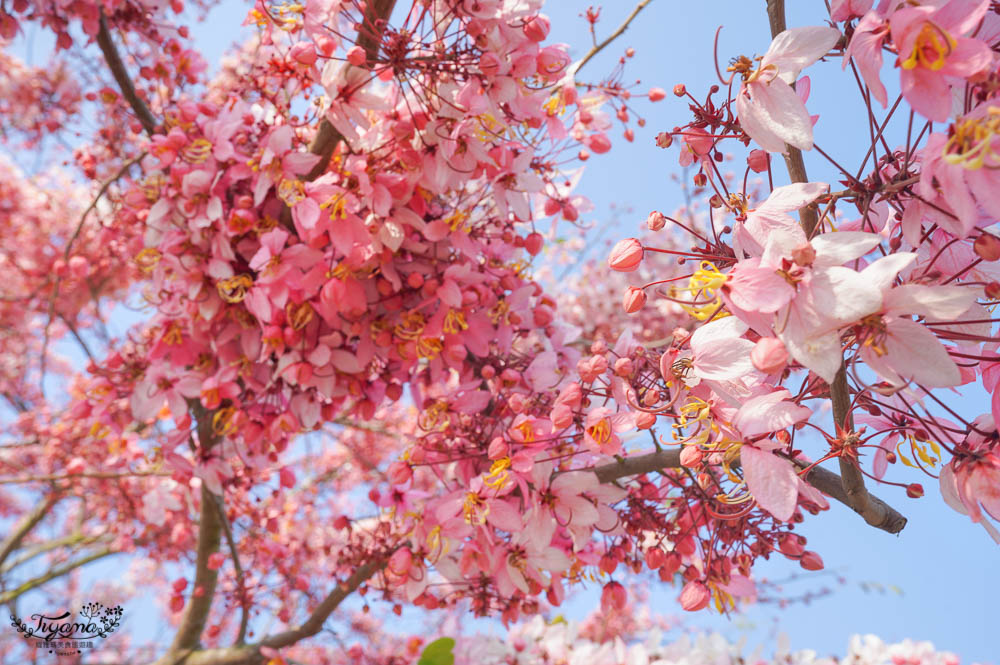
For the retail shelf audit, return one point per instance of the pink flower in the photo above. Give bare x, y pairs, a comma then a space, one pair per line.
769, 109
895, 346
963, 167
970, 483
843, 10
931, 51
601, 428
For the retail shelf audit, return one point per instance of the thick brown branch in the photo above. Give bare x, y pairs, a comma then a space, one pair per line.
809, 215
840, 395
880, 515
196, 613
121, 75
27, 523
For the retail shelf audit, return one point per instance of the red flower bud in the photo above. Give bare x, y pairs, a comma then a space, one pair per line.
914, 490
664, 140
811, 561
626, 255
691, 456
537, 28
695, 596
613, 597
656, 94
680, 90
633, 299
757, 161
655, 221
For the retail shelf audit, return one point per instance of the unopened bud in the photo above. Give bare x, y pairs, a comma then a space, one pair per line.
769, 355
914, 490
644, 420
613, 597
656, 94
811, 561
700, 180
633, 299
757, 161
626, 255
680, 90
655, 221
691, 456
993, 290
664, 140
695, 596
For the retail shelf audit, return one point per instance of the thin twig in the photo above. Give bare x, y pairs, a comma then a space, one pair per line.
597, 48
226, 529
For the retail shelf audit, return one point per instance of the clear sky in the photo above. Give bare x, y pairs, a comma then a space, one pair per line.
942, 563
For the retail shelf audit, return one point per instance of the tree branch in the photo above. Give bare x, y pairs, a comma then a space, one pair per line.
118, 70
880, 515
27, 523
808, 215
245, 614
52, 574
597, 48
370, 39
857, 497
196, 613
314, 623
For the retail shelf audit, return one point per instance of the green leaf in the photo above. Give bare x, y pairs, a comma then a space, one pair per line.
438, 652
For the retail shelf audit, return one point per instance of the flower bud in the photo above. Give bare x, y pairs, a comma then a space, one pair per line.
533, 243
498, 449
613, 597
656, 94
633, 300
769, 355
561, 416
664, 140
695, 596
811, 561
914, 490
691, 456
356, 56
401, 561
757, 161
624, 367
626, 255
987, 247
655, 221
993, 290
537, 28
680, 90
303, 53
644, 420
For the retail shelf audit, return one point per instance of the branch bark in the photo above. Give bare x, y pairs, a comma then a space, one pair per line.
880, 514
24, 527
370, 39
121, 75
853, 483
52, 574
808, 215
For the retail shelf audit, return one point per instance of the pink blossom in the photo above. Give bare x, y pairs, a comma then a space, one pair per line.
768, 108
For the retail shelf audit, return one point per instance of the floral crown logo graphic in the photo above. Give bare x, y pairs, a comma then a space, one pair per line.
64, 634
